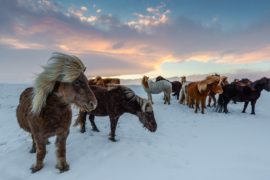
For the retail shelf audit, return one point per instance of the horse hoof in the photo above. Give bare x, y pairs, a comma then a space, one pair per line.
82, 130
32, 151
253, 114
243, 112
95, 129
112, 139
36, 168
63, 167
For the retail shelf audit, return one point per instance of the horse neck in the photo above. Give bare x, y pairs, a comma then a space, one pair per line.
59, 94
133, 106
257, 85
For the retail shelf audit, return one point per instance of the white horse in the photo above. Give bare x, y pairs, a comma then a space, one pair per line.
152, 87
183, 93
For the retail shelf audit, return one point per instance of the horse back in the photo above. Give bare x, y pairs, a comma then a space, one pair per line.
109, 100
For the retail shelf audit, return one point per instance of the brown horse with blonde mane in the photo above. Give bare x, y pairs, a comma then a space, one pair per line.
104, 82
45, 109
198, 91
212, 94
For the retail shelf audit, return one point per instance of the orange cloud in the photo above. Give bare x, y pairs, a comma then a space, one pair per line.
253, 56
18, 44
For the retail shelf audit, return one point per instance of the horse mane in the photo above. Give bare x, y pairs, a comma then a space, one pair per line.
132, 97
60, 68
145, 82
99, 81
159, 78
255, 83
202, 85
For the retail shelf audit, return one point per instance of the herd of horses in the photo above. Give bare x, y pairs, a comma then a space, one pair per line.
195, 93
44, 110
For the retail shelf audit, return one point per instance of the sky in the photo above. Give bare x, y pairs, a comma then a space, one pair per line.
130, 38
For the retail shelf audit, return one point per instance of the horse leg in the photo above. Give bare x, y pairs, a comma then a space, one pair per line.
81, 119
197, 102
253, 107
33, 150
225, 106
215, 100
150, 97
41, 152
182, 97
93, 124
165, 98
177, 95
188, 101
60, 143
245, 106
203, 104
169, 97
209, 101
114, 121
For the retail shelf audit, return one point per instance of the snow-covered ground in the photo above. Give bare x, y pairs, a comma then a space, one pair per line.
186, 146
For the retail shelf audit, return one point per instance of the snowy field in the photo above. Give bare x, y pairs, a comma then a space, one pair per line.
186, 146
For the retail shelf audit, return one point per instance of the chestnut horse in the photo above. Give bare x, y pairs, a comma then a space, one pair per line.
198, 91
212, 95
97, 81
115, 101
151, 87
45, 109
104, 82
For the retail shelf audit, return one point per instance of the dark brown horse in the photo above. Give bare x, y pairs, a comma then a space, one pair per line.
176, 86
115, 101
45, 109
242, 92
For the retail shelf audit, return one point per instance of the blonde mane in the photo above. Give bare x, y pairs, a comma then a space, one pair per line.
202, 85
99, 81
60, 67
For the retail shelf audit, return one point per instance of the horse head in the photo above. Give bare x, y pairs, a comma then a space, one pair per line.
63, 75
183, 79
146, 116
265, 82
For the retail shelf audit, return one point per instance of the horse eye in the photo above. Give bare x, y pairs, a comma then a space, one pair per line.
77, 83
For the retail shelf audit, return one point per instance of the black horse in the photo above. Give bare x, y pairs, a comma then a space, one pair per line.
242, 92
115, 101
176, 86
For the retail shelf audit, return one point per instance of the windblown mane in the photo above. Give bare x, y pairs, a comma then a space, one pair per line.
144, 82
132, 97
61, 68
202, 85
